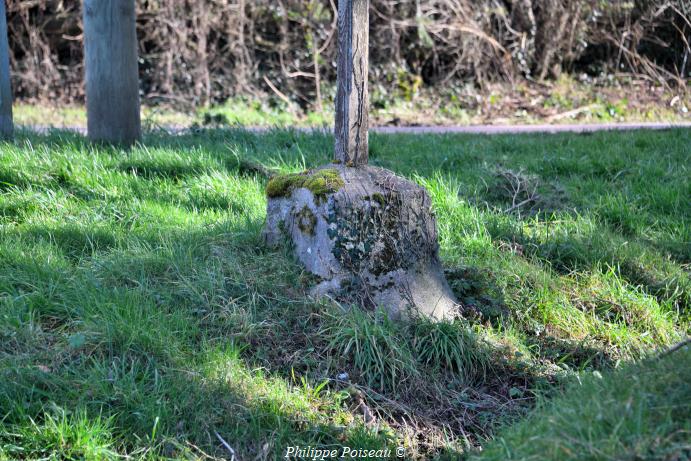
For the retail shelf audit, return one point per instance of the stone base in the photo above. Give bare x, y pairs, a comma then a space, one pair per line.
367, 233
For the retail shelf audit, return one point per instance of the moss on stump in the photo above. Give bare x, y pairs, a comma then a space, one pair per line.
319, 182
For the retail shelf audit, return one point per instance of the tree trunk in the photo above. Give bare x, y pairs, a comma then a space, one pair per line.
6, 125
112, 80
352, 99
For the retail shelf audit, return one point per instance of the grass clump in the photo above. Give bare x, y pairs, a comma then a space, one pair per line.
319, 182
450, 345
373, 343
59, 436
638, 412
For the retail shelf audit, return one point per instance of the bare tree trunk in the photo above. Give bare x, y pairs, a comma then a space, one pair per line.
352, 99
6, 125
112, 81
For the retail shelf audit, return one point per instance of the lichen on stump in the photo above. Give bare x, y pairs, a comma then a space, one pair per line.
369, 235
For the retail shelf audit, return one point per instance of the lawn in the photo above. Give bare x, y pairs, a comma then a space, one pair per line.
141, 314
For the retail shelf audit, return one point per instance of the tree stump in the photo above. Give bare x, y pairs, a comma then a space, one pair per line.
368, 234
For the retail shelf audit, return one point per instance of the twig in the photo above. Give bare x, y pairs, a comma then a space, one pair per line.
225, 444
277, 91
518, 205
573, 112
206, 455
676, 347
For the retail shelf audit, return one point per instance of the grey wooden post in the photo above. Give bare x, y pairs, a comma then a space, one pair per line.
112, 80
6, 125
352, 99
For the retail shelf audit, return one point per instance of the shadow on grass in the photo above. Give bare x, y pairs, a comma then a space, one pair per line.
74, 241
107, 358
578, 355
231, 149
166, 411
219, 285
590, 250
130, 330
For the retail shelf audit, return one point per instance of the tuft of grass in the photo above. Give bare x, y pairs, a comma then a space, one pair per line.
373, 344
450, 345
59, 435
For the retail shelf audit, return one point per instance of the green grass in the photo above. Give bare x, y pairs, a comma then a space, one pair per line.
233, 112
142, 315
638, 412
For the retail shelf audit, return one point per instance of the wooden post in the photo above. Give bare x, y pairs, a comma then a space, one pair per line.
112, 80
352, 99
6, 125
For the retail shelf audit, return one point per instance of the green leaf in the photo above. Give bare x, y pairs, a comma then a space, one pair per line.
76, 340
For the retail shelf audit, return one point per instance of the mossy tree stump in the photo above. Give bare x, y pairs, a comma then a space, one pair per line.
368, 234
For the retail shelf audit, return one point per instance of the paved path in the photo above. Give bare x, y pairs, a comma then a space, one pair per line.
517, 129
472, 129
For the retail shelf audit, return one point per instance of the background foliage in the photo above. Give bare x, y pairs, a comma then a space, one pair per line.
204, 51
